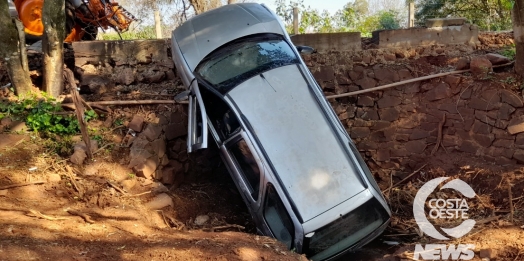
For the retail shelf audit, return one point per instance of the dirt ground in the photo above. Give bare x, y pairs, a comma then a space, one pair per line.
76, 213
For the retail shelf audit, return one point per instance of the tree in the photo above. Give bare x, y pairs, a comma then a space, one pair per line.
487, 14
53, 18
518, 34
388, 20
10, 52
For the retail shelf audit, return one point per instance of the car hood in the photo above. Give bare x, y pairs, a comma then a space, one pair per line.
303, 147
204, 33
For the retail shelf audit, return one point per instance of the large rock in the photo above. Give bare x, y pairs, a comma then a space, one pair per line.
388, 101
515, 128
366, 83
152, 131
175, 130
326, 73
496, 58
137, 123
125, 76
480, 66
160, 201
511, 98
441, 91
78, 157
147, 168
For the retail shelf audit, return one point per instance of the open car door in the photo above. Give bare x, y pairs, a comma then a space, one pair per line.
197, 123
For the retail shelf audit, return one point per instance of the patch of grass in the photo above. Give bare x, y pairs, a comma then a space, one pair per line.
509, 52
147, 32
43, 115
509, 80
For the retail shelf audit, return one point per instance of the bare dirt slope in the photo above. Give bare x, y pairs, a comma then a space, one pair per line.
76, 215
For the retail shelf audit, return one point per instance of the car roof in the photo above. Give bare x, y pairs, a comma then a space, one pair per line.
204, 33
310, 159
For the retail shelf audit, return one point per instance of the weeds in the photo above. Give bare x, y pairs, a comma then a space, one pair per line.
509, 52
43, 114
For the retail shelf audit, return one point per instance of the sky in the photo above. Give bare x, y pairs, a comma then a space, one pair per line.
331, 5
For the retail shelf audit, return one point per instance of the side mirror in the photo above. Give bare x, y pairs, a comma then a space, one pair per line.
182, 96
305, 49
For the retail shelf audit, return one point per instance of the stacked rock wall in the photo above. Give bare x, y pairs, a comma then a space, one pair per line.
397, 129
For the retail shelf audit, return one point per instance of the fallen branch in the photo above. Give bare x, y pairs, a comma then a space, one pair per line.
103, 147
439, 135
130, 102
137, 195
73, 182
387, 86
86, 217
511, 208
21, 185
487, 220
116, 187
164, 217
406, 178
77, 101
225, 227
35, 213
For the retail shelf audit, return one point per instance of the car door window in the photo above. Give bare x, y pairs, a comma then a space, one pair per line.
278, 218
247, 165
221, 116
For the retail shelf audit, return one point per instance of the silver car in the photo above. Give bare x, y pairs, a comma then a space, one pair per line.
298, 171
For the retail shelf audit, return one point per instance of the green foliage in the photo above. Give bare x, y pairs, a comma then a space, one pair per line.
388, 20
491, 15
118, 122
354, 16
310, 19
146, 32
90, 115
509, 52
42, 114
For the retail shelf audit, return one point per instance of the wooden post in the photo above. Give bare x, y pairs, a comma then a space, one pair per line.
295, 20
158, 25
79, 111
411, 19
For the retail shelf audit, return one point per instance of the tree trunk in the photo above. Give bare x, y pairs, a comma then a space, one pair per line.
10, 52
53, 18
518, 34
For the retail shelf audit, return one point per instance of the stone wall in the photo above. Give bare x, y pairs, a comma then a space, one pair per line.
323, 42
396, 129
461, 34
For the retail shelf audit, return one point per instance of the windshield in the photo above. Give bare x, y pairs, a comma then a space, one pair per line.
234, 63
347, 230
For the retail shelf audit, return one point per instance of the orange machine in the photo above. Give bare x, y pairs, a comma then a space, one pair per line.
83, 18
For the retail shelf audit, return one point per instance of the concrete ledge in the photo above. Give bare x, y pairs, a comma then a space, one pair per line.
330, 41
121, 52
442, 22
465, 34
